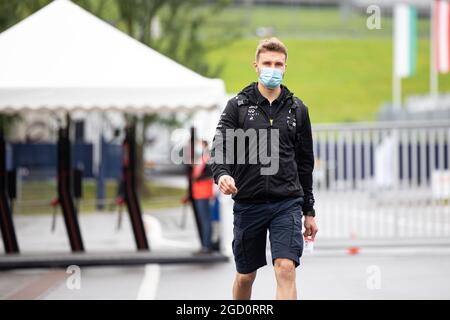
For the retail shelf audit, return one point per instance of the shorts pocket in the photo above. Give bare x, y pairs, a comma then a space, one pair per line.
238, 249
297, 237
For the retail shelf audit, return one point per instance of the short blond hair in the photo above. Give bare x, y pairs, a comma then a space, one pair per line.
271, 44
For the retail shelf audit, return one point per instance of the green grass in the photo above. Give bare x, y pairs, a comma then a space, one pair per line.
339, 79
340, 68
301, 22
36, 197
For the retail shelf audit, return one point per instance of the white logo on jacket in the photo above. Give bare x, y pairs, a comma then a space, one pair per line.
251, 113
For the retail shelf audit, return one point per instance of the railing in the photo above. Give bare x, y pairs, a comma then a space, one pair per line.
383, 180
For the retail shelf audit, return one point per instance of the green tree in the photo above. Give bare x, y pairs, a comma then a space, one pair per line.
7, 121
182, 40
183, 24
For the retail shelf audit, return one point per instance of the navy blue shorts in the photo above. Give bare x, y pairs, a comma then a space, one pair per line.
282, 218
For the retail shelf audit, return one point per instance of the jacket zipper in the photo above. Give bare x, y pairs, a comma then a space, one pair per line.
269, 117
269, 150
269, 138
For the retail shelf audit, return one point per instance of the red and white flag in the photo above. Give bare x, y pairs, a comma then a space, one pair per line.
441, 36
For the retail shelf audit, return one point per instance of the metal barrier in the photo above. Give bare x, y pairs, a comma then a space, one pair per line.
382, 180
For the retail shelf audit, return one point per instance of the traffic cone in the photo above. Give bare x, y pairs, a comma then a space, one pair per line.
353, 250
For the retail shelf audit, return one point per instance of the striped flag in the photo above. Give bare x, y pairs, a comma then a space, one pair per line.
441, 36
405, 40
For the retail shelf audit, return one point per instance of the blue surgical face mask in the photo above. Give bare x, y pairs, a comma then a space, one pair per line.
271, 77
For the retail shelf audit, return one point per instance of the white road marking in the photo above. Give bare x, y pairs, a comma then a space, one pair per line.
149, 285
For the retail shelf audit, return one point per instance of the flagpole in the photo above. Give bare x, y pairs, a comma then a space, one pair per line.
396, 79
434, 77
396, 91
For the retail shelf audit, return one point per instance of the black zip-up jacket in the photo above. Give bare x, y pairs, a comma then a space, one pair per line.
296, 160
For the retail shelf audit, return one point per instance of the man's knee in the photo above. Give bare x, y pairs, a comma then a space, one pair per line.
284, 269
245, 279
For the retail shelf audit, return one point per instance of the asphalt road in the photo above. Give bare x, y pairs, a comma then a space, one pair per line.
408, 270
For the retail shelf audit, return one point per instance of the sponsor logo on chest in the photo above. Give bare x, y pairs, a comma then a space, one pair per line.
252, 112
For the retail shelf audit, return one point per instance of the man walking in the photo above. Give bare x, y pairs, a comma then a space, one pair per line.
267, 199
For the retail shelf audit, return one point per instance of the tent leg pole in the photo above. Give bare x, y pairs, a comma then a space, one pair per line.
130, 192
6, 222
65, 194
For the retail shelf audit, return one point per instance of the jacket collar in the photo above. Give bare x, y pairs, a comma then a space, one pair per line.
253, 95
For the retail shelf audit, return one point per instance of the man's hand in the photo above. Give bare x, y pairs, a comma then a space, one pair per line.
310, 227
226, 185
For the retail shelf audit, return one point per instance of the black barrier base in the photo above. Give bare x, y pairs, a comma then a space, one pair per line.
60, 260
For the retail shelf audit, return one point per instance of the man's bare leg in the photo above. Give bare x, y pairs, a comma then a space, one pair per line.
242, 288
285, 275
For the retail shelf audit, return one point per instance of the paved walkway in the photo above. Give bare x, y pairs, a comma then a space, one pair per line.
405, 271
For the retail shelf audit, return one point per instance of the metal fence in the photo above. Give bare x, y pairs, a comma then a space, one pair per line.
383, 180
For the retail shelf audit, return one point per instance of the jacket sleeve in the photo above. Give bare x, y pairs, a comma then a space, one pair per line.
228, 120
305, 161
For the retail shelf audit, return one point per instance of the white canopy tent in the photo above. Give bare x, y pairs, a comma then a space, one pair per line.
64, 58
